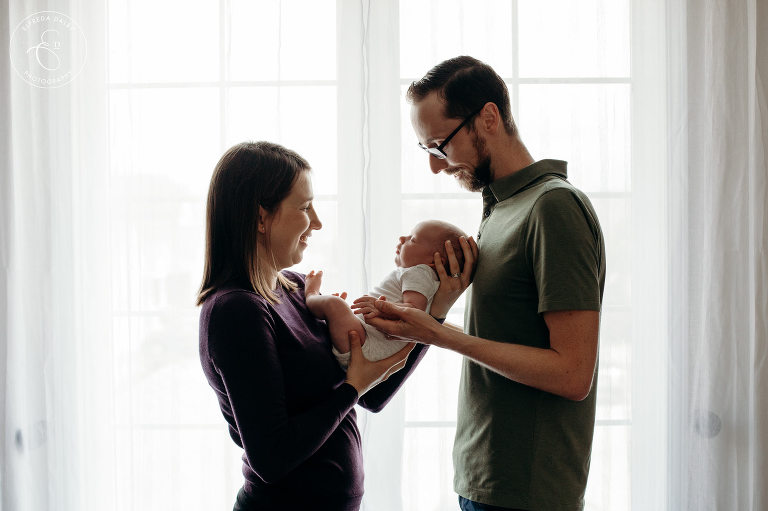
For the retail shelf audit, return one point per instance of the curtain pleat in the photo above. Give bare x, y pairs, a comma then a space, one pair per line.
718, 418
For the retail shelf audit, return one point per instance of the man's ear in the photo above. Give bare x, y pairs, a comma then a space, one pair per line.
262, 220
491, 118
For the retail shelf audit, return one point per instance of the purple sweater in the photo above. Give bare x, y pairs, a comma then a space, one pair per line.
283, 395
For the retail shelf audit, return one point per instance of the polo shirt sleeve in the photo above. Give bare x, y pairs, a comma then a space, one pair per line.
563, 247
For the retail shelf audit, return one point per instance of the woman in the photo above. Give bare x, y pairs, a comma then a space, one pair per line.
287, 402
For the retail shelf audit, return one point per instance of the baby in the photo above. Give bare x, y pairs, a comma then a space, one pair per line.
414, 282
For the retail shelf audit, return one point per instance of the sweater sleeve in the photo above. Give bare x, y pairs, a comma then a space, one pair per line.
244, 353
377, 398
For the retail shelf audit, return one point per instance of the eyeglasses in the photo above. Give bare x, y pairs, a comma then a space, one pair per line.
437, 151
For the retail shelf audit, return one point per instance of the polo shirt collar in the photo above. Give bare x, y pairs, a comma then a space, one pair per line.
506, 187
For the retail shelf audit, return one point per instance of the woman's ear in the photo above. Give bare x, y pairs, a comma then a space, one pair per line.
262, 220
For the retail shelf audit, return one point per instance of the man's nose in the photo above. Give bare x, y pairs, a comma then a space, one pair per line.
436, 164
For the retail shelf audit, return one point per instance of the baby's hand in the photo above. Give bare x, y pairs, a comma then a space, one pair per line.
312, 283
364, 305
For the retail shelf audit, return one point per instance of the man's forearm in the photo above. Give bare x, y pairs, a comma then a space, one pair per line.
566, 368
544, 369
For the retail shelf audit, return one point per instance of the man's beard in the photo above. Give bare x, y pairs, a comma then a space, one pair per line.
481, 174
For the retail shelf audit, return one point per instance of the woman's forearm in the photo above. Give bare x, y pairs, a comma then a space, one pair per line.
377, 398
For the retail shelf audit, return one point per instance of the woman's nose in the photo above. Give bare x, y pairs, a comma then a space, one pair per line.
315, 222
402, 239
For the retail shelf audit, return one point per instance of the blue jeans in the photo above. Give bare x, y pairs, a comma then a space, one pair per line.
471, 505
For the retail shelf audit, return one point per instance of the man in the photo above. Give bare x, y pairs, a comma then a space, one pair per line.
527, 393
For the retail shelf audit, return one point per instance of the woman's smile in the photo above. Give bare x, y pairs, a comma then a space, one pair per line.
292, 224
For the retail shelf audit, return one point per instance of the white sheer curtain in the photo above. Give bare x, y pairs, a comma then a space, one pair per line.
658, 106
719, 292
56, 314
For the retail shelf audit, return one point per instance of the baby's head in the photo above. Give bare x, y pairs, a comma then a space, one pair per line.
425, 239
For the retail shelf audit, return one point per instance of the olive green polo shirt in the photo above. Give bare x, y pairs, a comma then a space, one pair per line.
541, 249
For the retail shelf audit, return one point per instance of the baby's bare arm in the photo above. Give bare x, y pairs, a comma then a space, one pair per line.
415, 299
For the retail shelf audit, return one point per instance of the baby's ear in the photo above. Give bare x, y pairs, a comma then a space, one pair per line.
442, 261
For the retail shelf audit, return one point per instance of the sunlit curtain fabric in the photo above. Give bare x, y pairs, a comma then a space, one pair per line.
719, 289
56, 313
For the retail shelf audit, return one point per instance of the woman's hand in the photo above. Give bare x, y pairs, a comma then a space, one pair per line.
451, 286
408, 323
364, 374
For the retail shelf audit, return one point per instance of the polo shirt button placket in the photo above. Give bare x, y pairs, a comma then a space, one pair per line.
486, 214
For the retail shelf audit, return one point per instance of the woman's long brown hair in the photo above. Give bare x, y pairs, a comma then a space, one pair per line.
248, 175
